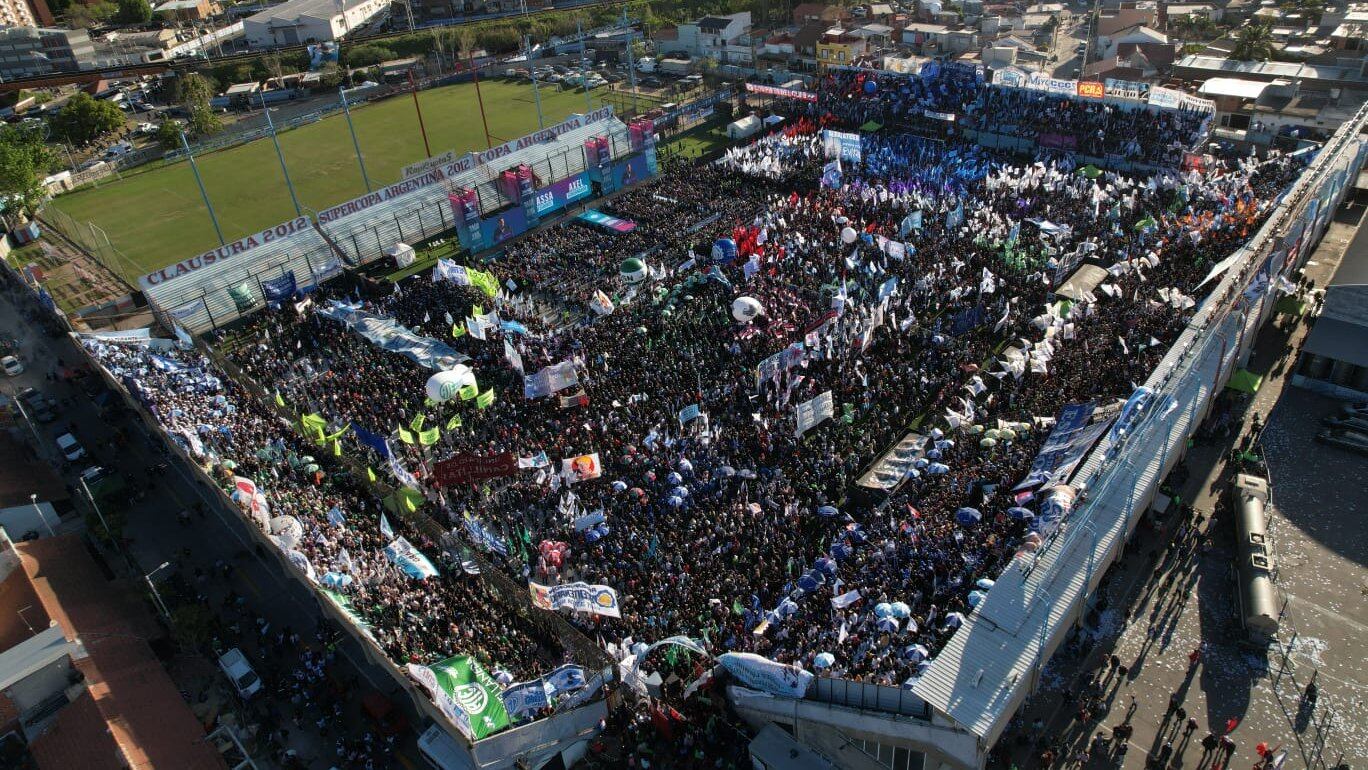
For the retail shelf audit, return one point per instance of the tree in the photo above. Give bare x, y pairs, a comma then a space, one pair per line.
133, 12
24, 161
330, 75
168, 135
195, 93
84, 118
368, 54
1254, 42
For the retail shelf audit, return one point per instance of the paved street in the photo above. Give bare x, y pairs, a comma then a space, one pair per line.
1173, 594
211, 562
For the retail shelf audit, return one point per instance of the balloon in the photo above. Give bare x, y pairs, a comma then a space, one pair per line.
745, 309
883, 610
984, 583
633, 271
443, 386
848, 235
724, 250
901, 610
871, 87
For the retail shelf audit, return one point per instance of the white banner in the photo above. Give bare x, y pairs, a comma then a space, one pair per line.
811, 413
446, 270
576, 597
764, 674
409, 559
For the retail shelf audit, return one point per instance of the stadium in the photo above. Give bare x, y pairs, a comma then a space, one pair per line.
812, 455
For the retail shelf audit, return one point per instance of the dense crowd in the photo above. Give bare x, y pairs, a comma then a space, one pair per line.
915, 285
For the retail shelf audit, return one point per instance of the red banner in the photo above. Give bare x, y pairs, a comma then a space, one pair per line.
468, 469
1091, 89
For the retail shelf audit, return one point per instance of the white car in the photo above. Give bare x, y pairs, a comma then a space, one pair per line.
12, 366
70, 447
240, 673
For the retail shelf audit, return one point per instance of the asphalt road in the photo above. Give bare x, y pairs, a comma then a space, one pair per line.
195, 550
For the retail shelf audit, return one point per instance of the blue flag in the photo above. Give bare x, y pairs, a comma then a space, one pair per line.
375, 441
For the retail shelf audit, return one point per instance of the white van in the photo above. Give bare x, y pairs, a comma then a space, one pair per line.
240, 673
71, 448
118, 150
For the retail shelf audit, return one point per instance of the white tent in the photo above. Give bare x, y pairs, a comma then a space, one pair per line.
403, 254
740, 129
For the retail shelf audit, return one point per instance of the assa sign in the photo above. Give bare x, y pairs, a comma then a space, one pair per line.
224, 252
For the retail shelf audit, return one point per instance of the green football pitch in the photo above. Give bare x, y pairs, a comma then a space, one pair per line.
157, 217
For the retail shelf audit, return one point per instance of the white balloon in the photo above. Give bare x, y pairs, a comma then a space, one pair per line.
848, 235
745, 309
443, 386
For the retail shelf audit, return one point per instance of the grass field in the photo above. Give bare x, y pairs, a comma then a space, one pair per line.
157, 217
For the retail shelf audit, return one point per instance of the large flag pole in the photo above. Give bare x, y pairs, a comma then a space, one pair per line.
270, 124
536, 91
346, 110
475, 72
203, 193
413, 88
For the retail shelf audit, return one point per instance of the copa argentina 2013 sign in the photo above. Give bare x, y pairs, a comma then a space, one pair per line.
224, 252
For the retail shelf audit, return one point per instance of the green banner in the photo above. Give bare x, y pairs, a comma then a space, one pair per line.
466, 693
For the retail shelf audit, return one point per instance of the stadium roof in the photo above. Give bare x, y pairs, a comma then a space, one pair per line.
293, 9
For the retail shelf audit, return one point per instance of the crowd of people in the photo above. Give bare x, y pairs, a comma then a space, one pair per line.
915, 286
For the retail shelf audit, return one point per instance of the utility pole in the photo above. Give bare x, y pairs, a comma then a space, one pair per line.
536, 91
270, 125
413, 88
631, 61
346, 110
203, 193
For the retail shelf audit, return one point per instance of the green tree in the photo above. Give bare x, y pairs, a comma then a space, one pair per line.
367, 55
133, 12
330, 75
168, 135
24, 161
195, 93
1254, 42
84, 118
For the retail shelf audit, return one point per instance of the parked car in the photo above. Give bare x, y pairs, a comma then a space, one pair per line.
235, 666
70, 448
12, 366
39, 406
117, 150
1345, 439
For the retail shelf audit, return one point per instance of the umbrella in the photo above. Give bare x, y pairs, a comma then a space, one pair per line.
968, 516
229, 464
992, 433
935, 469
826, 565
987, 443
1020, 514
311, 468
808, 583
746, 473
901, 610
638, 491
592, 535
674, 478
823, 660
975, 597
503, 677
888, 625
920, 462
934, 454
883, 610
922, 666
680, 492
840, 551
675, 502
685, 466
916, 653
937, 434
1090, 171
912, 626
726, 470
1007, 434
307, 459
954, 619
827, 511
619, 485
984, 583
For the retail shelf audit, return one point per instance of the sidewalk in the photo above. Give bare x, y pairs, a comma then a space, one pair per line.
1173, 594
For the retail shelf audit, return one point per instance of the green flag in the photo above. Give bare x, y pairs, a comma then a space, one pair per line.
242, 297
458, 330
370, 474
737, 608
405, 436
485, 399
417, 422
477, 310
467, 693
429, 436
280, 402
337, 448
454, 422
485, 282
468, 392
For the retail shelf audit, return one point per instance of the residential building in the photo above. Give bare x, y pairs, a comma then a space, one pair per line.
26, 51
724, 38
309, 21
808, 13
939, 39
1111, 22
1109, 45
1134, 61
425, 11
1257, 112
187, 10
1334, 358
837, 47
78, 681
1351, 74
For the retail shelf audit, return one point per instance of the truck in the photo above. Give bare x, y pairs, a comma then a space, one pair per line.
675, 66
646, 64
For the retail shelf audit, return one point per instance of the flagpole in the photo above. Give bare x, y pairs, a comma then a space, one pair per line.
346, 110
413, 89
194, 167
270, 124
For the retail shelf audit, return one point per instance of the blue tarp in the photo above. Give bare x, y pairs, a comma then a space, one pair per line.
388, 334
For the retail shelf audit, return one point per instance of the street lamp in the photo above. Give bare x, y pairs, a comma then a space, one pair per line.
161, 605
108, 532
33, 499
